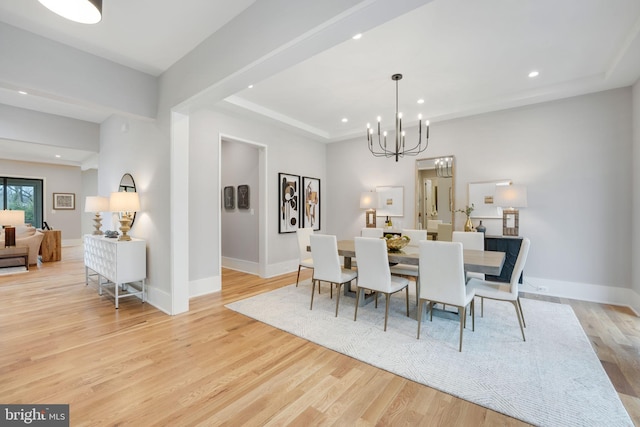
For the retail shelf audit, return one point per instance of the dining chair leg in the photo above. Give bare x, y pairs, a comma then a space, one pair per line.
313, 289
462, 312
515, 305
417, 291
481, 307
431, 311
376, 292
386, 310
337, 296
420, 305
473, 315
358, 292
521, 313
298, 278
407, 292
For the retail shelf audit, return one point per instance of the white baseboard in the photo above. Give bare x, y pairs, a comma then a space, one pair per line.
70, 242
241, 265
285, 267
205, 286
583, 291
159, 299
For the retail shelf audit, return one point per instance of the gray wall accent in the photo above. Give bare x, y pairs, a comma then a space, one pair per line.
240, 226
635, 224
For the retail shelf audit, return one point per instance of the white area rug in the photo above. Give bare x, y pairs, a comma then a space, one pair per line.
552, 379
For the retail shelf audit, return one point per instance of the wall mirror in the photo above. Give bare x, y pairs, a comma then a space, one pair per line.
127, 184
435, 191
481, 196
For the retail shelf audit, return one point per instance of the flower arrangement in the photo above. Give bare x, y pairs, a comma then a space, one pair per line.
467, 210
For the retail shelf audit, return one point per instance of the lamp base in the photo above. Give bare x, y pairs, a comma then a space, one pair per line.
510, 222
370, 218
125, 226
97, 224
9, 236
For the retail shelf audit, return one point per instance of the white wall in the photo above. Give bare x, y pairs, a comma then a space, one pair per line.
574, 156
635, 261
240, 226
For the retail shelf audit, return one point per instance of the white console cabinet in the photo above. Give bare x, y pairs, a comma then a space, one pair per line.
120, 267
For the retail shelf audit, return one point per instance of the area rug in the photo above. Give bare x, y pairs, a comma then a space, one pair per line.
552, 379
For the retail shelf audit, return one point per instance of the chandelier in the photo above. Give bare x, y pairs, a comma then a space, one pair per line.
398, 149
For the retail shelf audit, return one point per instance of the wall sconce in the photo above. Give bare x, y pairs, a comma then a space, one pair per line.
9, 219
369, 201
510, 197
125, 203
96, 204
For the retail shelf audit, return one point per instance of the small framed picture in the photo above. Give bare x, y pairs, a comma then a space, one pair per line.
229, 198
288, 202
243, 197
311, 192
64, 201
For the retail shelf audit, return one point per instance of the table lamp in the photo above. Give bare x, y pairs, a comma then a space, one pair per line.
9, 219
96, 204
510, 197
125, 203
369, 201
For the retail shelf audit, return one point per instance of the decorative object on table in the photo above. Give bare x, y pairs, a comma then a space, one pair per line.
396, 243
369, 201
243, 196
388, 223
64, 201
9, 219
311, 214
81, 11
111, 234
289, 205
481, 228
468, 225
126, 203
229, 198
511, 197
482, 196
397, 149
96, 204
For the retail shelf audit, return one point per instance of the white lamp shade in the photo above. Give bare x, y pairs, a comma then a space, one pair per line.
510, 196
123, 201
9, 217
369, 200
96, 204
82, 11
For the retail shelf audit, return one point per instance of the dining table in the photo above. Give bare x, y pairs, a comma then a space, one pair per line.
477, 261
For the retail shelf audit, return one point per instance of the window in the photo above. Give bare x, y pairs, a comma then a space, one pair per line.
23, 194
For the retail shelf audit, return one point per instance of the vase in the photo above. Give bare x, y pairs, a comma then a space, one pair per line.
468, 226
481, 228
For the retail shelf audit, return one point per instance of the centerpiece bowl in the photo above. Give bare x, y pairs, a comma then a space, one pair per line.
395, 243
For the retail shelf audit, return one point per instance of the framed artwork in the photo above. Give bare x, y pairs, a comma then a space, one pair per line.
391, 201
64, 201
229, 198
481, 196
243, 197
288, 202
311, 214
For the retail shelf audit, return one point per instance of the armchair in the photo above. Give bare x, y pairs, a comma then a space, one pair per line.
29, 237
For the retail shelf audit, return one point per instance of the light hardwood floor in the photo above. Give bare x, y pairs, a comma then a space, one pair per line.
62, 343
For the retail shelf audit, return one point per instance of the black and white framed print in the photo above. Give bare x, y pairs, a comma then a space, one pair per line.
311, 213
288, 203
229, 198
243, 197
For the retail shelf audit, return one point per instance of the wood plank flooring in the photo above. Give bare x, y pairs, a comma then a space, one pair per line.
62, 343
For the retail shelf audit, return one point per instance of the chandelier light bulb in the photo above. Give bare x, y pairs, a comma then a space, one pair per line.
379, 119
420, 116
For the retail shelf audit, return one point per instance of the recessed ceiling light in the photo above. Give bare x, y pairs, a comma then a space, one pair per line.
345, 120
250, 86
82, 11
420, 101
534, 73
357, 36
21, 92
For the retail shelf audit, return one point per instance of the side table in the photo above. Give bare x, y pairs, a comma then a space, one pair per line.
51, 246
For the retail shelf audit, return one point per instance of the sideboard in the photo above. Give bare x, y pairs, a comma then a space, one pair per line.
510, 245
120, 267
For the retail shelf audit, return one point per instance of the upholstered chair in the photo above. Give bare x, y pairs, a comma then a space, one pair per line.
442, 280
371, 232
445, 231
409, 270
374, 274
505, 291
304, 257
326, 265
470, 240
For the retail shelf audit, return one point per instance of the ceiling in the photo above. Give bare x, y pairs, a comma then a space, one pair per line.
462, 57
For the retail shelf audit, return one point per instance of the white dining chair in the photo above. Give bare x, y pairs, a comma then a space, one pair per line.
505, 291
445, 231
371, 232
374, 274
409, 270
470, 240
305, 259
326, 265
442, 281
